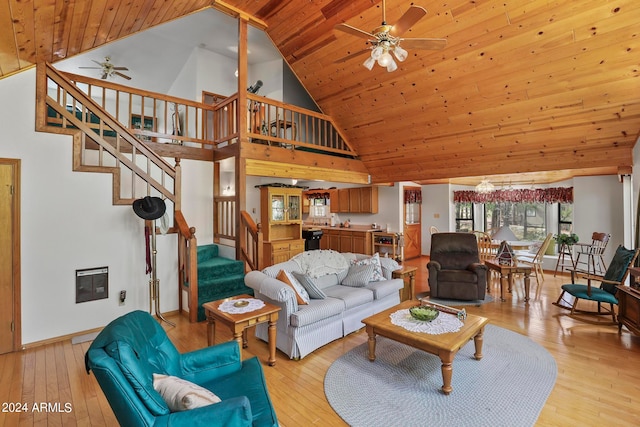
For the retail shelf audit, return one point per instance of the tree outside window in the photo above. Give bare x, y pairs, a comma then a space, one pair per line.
526, 220
464, 217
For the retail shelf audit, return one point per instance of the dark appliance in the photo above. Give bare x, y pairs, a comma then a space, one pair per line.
311, 238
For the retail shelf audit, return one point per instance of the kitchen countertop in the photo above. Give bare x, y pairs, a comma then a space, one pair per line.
353, 227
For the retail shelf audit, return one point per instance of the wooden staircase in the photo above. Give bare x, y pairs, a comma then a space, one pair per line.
103, 144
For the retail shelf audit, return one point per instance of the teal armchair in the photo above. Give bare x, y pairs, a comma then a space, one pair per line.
129, 350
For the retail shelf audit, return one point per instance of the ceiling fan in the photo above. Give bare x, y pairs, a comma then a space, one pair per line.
387, 38
108, 69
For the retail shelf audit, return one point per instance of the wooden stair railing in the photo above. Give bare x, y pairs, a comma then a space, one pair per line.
187, 266
250, 242
93, 151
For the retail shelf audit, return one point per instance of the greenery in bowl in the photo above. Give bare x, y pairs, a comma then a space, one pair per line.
566, 239
426, 314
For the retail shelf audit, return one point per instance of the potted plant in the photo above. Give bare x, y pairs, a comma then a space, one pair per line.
566, 239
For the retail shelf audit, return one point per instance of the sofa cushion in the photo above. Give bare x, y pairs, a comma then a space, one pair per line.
385, 288
358, 275
310, 285
316, 310
182, 395
375, 261
463, 276
302, 296
352, 297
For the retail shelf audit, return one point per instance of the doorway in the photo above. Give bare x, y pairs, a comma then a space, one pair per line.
10, 336
412, 228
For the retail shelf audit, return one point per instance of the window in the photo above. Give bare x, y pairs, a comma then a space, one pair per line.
526, 220
565, 218
464, 217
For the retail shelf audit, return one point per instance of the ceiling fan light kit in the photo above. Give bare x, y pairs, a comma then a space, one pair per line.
108, 69
386, 39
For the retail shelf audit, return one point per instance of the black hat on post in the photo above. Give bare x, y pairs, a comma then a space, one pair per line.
150, 208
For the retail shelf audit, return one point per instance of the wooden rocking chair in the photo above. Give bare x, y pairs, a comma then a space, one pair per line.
615, 275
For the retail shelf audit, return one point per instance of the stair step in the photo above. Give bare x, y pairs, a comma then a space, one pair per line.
207, 251
219, 267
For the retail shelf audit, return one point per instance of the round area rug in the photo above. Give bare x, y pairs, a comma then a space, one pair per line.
507, 387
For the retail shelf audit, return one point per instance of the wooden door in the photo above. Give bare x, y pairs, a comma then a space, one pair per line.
412, 227
10, 259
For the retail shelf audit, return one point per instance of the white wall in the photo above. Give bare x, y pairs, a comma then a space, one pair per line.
436, 211
68, 223
598, 206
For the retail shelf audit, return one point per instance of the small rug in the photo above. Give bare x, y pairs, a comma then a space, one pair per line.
507, 387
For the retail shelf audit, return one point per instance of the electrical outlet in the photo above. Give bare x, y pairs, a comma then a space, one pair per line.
123, 297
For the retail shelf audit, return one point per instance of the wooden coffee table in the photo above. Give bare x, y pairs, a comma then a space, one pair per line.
445, 346
238, 323
506, 272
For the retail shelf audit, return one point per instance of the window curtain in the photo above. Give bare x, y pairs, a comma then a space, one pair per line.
412, 196
520, 195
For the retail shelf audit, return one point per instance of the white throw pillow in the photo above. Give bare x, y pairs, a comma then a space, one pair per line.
377, 267
358, 276
182, 395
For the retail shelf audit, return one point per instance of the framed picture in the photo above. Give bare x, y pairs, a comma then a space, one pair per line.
149, 124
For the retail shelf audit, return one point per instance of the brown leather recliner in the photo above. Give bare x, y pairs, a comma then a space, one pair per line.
455, 271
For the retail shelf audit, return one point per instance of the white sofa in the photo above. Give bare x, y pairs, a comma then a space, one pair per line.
303, 328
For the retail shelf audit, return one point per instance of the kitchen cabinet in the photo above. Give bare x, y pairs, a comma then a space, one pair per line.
345, 240
281, 251
343, 200
354, 200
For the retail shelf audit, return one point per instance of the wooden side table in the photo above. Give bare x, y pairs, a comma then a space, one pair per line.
506, 272
238, 323
408, 292
629, 308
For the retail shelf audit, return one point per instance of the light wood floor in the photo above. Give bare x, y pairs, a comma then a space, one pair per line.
598, 370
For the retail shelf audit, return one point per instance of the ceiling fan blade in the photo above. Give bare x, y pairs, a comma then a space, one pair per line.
351, 56
408, 20
122, 75
104, 76
353, 31
121, 68
430, 44
99, 63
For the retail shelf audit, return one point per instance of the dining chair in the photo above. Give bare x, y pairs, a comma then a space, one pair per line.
535, 260
590, 256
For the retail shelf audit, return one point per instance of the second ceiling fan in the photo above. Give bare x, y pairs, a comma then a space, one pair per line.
386, 39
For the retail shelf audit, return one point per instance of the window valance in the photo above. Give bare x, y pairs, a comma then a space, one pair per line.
412, 195
518, 195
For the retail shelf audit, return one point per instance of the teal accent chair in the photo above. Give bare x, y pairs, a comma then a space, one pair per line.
130, 349
615, 276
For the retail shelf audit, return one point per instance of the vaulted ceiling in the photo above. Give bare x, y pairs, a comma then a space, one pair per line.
522, 86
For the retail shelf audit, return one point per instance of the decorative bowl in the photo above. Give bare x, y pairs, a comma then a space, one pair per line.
426, 314
241, 303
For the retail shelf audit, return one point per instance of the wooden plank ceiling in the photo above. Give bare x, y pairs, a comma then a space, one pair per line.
522, 86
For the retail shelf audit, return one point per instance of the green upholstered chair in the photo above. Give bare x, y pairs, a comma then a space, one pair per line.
615, 275
130, 349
